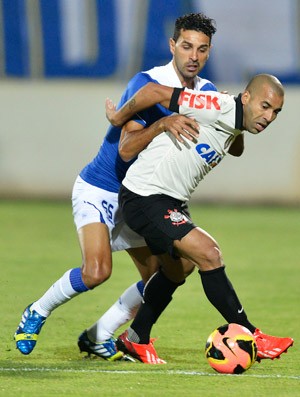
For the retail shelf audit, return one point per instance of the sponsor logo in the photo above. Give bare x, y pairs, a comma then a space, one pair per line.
199, 101
208, 154
177, 218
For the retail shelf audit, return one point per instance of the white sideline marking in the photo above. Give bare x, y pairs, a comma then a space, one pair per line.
159, 372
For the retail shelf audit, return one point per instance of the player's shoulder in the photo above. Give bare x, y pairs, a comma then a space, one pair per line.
158, 73
139, 78
202, 84
164, 75
144, 77
135, 83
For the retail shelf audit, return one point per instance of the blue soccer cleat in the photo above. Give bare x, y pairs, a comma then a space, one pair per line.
28, 330
106, 349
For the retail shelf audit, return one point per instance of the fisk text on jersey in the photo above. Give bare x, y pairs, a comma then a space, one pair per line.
199, 101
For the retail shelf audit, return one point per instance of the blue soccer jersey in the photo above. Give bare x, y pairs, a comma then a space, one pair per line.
107, 169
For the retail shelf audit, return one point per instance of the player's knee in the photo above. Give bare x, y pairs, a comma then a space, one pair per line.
212, 258
96, 273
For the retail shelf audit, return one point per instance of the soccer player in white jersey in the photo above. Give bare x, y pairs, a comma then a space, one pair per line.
160, 182
95, 198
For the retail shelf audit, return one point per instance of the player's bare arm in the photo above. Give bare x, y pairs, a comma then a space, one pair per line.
237, 146
134, 138
147, 96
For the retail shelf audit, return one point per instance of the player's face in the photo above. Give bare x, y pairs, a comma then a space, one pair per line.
260, 108
190, 53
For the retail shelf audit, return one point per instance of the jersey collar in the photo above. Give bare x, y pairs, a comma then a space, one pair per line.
238, 112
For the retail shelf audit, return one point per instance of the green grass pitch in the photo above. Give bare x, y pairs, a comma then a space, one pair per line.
261, 250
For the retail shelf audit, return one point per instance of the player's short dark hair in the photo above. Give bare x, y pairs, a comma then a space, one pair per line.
198, 22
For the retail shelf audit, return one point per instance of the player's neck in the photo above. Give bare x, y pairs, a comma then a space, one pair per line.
188, 83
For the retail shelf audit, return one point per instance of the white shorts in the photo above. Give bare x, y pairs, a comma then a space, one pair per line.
92, 204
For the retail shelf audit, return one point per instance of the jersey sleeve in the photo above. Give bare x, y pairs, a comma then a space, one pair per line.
137, 82
174, 106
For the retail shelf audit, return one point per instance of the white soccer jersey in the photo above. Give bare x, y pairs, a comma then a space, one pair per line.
169, 167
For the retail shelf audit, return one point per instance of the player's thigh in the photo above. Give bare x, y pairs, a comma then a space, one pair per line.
146, 263
94, 240
95, 214
200, 248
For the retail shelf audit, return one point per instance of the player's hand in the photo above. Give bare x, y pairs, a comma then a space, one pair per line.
110, 110
181, 126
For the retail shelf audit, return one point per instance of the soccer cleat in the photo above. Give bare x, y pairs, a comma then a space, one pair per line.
28, 330
144, 353
106, 349
269, 346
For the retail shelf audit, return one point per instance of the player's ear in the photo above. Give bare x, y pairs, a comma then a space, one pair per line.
172, 45
245, 97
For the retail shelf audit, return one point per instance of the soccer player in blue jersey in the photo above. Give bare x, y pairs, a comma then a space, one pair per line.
100, 227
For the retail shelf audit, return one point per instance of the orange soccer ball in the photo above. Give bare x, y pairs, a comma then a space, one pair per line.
231, 349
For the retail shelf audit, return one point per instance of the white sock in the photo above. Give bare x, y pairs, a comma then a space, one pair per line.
123, 310
59, 293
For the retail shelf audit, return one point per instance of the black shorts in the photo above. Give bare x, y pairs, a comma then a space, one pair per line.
159, 218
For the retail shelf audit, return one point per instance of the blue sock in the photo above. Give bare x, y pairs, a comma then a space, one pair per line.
76, 280
140, 286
